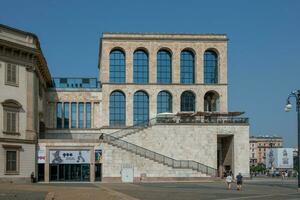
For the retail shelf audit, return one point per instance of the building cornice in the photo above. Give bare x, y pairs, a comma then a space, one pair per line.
13, 140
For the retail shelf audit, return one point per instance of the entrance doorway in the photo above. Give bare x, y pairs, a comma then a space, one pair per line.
98, 172
41, 172
69, 172
224, 154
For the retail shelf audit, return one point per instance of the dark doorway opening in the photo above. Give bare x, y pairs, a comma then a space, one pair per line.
225, 154
41, 172
98, 172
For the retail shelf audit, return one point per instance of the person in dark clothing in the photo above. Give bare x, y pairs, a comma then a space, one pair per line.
239, 181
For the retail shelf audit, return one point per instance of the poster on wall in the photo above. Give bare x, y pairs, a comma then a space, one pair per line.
98, 155
69, 157
41, 153
279, 158
285, 158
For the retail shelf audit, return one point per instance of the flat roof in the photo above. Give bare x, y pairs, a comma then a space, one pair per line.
164, 36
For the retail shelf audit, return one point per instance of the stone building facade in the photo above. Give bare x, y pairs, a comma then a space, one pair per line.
158, 112
24, 80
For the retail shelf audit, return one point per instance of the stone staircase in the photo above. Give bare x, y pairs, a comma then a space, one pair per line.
154, 156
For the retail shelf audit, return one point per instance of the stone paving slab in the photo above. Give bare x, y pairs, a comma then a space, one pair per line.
197, 191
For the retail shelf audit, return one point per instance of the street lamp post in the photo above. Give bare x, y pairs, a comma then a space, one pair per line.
288, 107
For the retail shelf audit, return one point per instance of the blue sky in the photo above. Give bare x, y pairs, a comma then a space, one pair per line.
263, 51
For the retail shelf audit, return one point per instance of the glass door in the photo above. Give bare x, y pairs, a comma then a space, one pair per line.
53, 172
85, 169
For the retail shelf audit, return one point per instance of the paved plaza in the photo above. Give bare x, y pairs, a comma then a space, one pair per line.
253, 189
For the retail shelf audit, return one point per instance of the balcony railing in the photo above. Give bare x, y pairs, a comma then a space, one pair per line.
201, 120
75, 83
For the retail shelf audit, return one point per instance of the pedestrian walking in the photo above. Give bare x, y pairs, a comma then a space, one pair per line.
229, 181
239, 181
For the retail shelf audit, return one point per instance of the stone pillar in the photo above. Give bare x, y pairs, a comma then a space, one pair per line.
105, 106
46, 167
176, 102
104, 64
175, 65
199, 101
30, 111
152, 65
222, 61
199, 66
92, 115
129, 65
92, 165
129, 109
152, 105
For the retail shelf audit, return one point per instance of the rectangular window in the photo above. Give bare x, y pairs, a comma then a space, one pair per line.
11, 161
74, 115
11, 77
59, 115
80, 115
10, 121
88, 115
66, 115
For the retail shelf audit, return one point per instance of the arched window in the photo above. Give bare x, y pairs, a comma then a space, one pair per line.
210, 67
164, 67
187, 101
140, 108
140, 67
11, 109
117, 109
187, 67
164, 102
211, 102
117, 66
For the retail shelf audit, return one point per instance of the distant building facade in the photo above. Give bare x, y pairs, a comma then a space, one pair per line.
159, 112
258, 146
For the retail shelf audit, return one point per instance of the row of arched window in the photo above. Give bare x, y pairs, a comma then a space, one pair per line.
117, 105
117, 67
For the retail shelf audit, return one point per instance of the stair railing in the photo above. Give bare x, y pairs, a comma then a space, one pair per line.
141, 151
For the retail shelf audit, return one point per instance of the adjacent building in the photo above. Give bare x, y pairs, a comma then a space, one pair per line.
158, 112
23, 85
259, 146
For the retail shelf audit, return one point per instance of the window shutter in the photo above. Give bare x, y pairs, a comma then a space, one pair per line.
8, 73
8, 121
13, 122
13, 73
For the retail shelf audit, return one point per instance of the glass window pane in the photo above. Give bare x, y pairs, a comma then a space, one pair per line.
140, 67
187, 67
11, 160
164, 102
140, 108
210, 67
117, 67
88, 115
66, 115
164, 67
187, 101
117, 109
59, 115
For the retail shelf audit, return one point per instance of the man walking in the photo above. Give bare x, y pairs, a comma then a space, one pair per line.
239, 181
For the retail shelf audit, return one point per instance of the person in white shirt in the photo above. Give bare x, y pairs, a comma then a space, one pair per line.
229, 180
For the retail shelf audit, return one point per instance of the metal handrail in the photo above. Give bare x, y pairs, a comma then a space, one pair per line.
135, 128
183, 164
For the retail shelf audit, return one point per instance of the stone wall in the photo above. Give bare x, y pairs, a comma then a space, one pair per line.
26, 163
